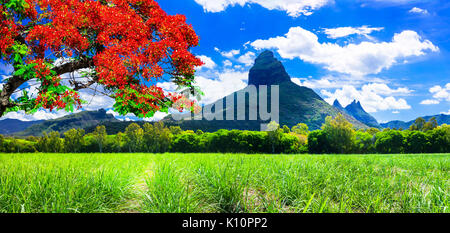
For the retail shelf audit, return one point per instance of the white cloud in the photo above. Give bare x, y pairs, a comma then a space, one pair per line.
446, 113
167, 86
339, 32
383, 89
215, 85
39, 115
95, 100
429, 102
228, 54
293, 8
115, 114
227, 82
356, 59
396, 112
322, 83
209, 63
157, 117
131, 117
248, 59
441, 93
416, 10
338, 81
227, 63
94, 97
120, 117
373, 97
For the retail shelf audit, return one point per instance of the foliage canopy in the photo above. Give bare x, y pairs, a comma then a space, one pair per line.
125, 46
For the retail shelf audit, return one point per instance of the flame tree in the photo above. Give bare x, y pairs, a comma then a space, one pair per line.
125, 46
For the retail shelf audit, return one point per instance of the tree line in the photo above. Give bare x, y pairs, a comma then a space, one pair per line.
337, 136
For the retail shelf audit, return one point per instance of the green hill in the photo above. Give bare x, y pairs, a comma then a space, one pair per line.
441, 119
78, 120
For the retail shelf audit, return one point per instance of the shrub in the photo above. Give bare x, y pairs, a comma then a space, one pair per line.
318, 142
416, 142
389, 142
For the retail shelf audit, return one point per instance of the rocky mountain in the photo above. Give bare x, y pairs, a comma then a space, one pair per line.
297, 104
78, 120
357, 111
338, 105
441, 119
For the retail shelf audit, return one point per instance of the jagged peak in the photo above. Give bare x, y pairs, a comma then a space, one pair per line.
355, 103
337, 104
267, 70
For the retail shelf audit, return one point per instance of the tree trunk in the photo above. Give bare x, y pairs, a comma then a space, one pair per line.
8, 89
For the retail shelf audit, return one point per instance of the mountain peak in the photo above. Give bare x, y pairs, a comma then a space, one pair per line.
355, 106
357, 111
356, 103
267, 70
267, 54
337, 104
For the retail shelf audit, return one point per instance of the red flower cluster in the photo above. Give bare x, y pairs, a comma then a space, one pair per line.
181, 102
132, 42
8, 30
51, 94
59, 102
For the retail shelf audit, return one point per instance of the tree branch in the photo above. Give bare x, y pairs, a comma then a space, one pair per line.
82, 63
16, 81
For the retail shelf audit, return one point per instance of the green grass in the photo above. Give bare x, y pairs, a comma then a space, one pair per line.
225, 183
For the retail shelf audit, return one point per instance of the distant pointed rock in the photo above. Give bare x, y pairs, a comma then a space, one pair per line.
338, 105
267, 70
357, 111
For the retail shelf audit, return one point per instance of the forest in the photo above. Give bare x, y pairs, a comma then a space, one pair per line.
337, 136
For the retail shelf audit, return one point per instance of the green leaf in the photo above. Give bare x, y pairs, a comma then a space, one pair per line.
20, 72
17, 58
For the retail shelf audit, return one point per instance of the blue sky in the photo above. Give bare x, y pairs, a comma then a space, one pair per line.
392, 55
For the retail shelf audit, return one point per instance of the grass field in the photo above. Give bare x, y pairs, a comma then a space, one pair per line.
224, 183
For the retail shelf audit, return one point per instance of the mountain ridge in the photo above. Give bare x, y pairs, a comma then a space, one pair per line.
356, 110
397, 124
77, 120
11, 126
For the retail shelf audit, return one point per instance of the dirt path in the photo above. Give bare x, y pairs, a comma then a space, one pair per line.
134, 205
